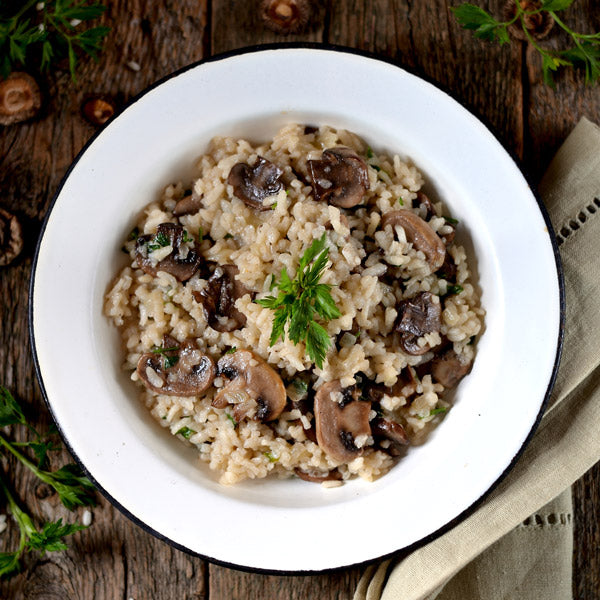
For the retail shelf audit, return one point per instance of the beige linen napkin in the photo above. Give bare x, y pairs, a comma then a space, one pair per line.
534, 560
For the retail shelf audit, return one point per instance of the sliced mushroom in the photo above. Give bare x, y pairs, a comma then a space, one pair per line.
20, 98
189, 204
316, 476
218, 299
392, 431
424, 201
406, 386
11, 237
177, 369
419, 233
448, 268
449, 368
253, 383
340, 419
340, 177
417, 316
182, 261
253, 184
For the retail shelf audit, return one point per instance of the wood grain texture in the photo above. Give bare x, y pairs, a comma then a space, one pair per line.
114, 558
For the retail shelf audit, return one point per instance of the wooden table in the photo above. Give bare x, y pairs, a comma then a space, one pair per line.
114, 558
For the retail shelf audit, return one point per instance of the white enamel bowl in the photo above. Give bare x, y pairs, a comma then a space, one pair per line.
291, 525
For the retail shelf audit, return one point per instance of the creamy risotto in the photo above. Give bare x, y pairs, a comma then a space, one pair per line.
301, 310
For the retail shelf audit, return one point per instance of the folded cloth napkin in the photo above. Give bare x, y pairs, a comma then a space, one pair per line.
518, 543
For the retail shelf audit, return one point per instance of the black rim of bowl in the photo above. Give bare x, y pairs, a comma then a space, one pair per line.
560, 280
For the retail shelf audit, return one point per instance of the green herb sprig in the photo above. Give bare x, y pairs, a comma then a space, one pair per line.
48, 32
584, 53
73, 487
301, 300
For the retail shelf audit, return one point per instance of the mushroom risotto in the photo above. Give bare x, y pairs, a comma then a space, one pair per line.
302, 310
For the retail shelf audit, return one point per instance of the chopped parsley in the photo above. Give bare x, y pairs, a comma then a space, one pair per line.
434, 411
187, 237
369, 152
186, 432
400, 201
270, 456
233, 421
227, 236
201, 235
454, 289
134, 234
161, 240
231, 350
274, 206
169, 360
300, 386
301, 300
451, 220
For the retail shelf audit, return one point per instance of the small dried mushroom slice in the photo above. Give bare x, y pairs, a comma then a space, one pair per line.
417, 316
253, 384
253, 184
20, 98
449, 368
177, 369
218, 299
419, 233
340, 177
11, 237
340, 419
189, 204
183, 259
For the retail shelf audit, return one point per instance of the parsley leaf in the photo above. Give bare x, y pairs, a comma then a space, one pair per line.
186, 432
302, 299
484, 25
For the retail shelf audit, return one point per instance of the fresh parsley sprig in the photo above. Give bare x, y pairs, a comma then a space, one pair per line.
301, 300
48, 32
73, 487
584, 53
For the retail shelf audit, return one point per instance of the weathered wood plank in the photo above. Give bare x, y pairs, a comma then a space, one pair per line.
114, 558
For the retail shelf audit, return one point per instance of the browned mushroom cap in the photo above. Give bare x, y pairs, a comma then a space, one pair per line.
253, 382
406, 386
11, 237
183, 260
416, 317
339, 423
254, 184
20, 98
177, 369
340, 177
449, 368
390, 430
218, 299
285, 16
419, 233
189, 204
316, 476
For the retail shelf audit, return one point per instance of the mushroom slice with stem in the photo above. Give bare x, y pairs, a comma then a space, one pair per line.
341, 419
340, 178
417, 316
449, 368
171, 250
316, 476
253, 184
177, 369
218, 299
419, 233
253, 384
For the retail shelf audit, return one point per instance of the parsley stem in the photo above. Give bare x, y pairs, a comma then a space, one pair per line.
24, 9
22, 520
23, 459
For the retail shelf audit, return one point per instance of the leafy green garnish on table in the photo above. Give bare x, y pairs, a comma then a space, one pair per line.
585, 51
73, 487
48, 32
301, 300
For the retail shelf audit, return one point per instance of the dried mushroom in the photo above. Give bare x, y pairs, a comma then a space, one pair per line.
20, 98
341, 420
218, 299
11, 237
253, 184
340, 177
254, 387
538, 23
98, 109
417, 316
449, 368
419, 233
285, 16
170, 249
176, 369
